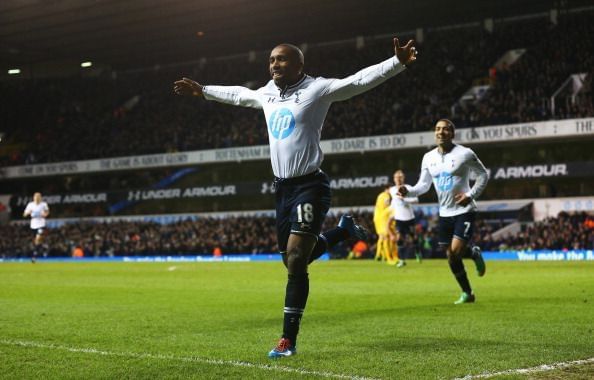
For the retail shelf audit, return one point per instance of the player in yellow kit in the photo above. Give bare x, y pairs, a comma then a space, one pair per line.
383, 221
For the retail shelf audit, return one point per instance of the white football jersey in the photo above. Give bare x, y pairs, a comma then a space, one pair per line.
401, 206
295, 115
37, 210
450, 174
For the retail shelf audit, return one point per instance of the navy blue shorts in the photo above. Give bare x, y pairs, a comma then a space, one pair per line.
405, 227
301, 205
37, 231
459, 226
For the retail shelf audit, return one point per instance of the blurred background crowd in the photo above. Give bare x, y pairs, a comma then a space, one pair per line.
134, 113
257, 234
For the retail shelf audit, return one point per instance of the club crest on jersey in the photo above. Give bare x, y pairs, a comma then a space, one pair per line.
444, 181
281, 123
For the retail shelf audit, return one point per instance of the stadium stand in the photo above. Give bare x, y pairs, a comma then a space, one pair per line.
114, 115
521, 92
257, 235
231, 235
134, 113
564, 232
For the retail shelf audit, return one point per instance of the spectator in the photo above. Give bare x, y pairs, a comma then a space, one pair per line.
257, 235
135, 114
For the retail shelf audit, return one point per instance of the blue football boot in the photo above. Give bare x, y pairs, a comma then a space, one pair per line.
355, 231
283, 348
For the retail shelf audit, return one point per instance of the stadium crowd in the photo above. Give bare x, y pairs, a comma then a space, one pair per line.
122, 114
122, 238
257, 235
564, 232
521, 93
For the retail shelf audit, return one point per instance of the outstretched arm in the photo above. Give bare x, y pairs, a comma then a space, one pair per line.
421, 187
411, 199
372, 76
234, 95
406, 54
187, 87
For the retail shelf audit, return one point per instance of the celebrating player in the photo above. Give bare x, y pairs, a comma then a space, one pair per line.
295, 106
38, 211
449, 166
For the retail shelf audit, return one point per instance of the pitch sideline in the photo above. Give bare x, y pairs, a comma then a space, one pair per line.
215, 362
527, 371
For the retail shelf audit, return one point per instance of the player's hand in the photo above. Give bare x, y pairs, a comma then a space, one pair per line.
406, 54
462, 199
186, 86
402, 191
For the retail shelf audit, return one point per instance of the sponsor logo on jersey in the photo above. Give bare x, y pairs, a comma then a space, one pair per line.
444, 181
281, 124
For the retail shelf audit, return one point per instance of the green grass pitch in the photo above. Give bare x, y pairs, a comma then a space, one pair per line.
363, 319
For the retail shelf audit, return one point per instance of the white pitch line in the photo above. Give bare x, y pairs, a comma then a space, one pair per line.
136, 355
527, 371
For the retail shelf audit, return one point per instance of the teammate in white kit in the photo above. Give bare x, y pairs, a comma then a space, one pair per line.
449, 166
38, 211
405, 218
295, 106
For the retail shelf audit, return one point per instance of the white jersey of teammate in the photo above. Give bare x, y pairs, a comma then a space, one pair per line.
36, 211
450, 174
295, 115
401, 206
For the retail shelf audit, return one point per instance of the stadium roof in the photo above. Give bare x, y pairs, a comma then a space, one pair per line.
135, 33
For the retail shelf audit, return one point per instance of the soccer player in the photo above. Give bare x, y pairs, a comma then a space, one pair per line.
295, 106
405, 218
449, 167
382, 215
38, 211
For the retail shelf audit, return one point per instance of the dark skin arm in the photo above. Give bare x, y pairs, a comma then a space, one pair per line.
406, 54
461, 198
402, 191
187, 87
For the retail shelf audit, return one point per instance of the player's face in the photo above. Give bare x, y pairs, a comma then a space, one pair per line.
444, 133
37, 197
285, 66
398, 179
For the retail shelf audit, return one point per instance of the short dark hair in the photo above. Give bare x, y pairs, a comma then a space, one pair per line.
449, 122
298, 53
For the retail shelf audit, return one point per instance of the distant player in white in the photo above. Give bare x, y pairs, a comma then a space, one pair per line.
405, 219
38, 211
448, 167
295, 106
